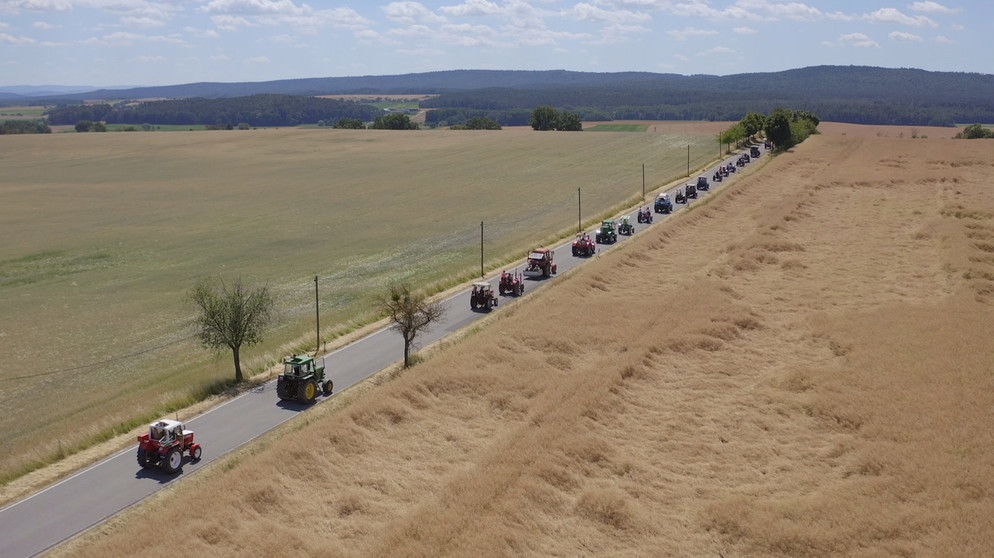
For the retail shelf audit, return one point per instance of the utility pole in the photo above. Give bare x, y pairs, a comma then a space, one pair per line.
643, 181
317, 316
579, 213
688, 160
481, 249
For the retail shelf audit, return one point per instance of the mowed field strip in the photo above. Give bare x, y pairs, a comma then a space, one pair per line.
105, 233
798, 366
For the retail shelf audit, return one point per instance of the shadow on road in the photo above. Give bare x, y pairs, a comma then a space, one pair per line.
296, 406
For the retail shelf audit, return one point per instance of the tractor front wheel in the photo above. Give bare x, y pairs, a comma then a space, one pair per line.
195, 452
326, 387
173, 461
308, 391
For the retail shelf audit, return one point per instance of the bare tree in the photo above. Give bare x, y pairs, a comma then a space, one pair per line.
231, 317
411, 313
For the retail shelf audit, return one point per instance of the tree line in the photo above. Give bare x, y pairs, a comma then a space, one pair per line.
39, 126
255, 110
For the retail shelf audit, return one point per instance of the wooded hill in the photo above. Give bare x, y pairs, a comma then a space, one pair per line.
857, 94
255, 110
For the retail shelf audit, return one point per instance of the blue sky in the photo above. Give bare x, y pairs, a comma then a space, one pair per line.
151, 42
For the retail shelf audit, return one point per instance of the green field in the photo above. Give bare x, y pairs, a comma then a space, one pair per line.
104, 234
617, 128
22, 112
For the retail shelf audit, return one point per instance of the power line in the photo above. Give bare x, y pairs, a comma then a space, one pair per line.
91, 365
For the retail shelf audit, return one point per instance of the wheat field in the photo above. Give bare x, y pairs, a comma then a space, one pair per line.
103, 234
800, 365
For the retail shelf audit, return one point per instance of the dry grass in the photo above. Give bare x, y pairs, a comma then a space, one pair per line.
104, 233
801, 367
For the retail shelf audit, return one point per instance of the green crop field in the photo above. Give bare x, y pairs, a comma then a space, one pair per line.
105, 233
617, 128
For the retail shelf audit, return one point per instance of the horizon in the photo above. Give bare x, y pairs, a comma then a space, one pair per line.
85, 88
153, 43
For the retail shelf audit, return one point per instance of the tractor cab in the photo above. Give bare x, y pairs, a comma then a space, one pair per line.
298, 366
165, 431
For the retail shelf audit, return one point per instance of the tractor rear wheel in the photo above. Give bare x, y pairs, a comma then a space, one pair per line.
326, 387
285, 390
143, 459
173, 461
308, 391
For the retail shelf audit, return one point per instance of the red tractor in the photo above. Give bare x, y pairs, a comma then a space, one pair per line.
164, 445
482, 297
584, 246
540, 263
645, 216
511, 284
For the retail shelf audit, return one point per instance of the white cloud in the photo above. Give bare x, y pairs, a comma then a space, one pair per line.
12, 40
146, 59
258, 60
689, 33
142, 22
893, 15
619, 33
932, 7
902, 36
255, 7
473, 8
716, 50
589, 12
16, 6
201, 33
411, 12
944, 40
745, 30
120, 38
858, 40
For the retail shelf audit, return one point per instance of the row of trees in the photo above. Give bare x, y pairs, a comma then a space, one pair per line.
784, 127
256, 110
237, 315
24, 127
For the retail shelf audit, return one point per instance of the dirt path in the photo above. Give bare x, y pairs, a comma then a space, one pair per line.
799, 367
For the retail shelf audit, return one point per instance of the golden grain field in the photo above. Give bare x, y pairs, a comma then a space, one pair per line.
801, 365
103, 234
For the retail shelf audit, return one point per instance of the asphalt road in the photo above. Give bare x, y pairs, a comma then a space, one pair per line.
44, 520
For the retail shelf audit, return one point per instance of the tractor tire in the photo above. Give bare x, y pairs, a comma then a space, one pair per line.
326, 387
173, 461
143, 459
472, 303
196, 452
285, 390
308, 391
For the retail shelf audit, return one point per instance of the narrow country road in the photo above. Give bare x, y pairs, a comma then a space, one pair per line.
45, 519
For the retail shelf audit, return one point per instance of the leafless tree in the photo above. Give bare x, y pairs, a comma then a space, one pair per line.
411, 314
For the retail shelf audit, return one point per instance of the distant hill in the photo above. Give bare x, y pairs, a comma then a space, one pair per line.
859, 94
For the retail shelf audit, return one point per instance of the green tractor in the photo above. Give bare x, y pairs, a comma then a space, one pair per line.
301, 379
607, 234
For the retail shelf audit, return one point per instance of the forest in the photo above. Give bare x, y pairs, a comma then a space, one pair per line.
853, 94
254, 110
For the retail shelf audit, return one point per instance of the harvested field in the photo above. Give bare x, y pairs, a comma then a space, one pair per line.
103, 234
801, 366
